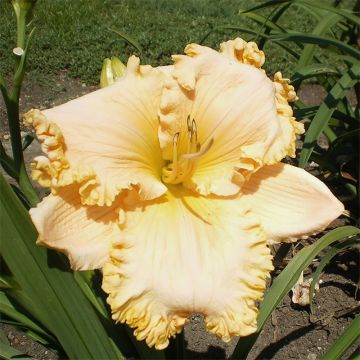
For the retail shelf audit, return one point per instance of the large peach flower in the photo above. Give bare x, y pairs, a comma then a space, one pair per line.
170, 181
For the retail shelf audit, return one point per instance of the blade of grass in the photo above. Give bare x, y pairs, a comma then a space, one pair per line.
335, 249
344, 341
53, 291
128, 39
286, 280
327, 107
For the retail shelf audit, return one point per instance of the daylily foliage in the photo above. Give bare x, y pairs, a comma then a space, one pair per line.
170, 181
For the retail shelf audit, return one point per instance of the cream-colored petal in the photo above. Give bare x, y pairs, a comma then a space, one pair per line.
83, 233
289, 202
181, 254
232, 103
284, 93
109, 138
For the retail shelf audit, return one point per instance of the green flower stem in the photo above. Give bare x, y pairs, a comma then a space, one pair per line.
12, 107
21, 26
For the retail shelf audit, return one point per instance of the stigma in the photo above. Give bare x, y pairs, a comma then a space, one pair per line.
183, 166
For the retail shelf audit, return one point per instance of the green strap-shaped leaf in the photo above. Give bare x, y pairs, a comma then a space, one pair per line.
318, 40
56, 300
345, 340
7, 163
332, 9
286, 280
310, 71
321, 28
7, 308
9, 353
328, 106
335, 249
262, 20
266, 4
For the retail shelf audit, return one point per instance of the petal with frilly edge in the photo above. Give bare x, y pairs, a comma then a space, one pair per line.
181, 254
234, 107
106, 140
242, 51
84, 234
289, 202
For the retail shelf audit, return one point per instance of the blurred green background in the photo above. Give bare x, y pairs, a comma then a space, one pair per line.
75, 35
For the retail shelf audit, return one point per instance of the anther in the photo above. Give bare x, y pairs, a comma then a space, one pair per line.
194, 129
176, 138
188, 123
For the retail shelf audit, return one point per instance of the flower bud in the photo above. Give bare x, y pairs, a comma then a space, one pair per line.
106, 76
22, 5
111, 70
118, 67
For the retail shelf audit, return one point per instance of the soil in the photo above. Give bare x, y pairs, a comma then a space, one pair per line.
291, 333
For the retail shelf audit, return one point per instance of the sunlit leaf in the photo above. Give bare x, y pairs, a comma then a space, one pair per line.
335, 249
327, 107
286, 280
53, 292
344, 341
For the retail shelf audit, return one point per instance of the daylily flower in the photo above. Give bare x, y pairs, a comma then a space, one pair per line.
170, 180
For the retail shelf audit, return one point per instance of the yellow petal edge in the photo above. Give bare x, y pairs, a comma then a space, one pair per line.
53, 170
183, 254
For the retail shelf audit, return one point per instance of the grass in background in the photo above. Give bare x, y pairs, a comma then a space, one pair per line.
75, 35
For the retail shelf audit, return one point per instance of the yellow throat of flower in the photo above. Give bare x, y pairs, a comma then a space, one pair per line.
183, 165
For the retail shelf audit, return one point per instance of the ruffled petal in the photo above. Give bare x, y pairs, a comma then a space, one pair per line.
84, 234
233, 105
290, 203
106, 141
244, 52
182, 254
284, 93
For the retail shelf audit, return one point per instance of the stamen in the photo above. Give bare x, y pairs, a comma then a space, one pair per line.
199, 153
194, 130
175, 142
183, 166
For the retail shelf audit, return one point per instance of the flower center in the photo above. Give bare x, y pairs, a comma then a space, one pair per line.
182, 166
